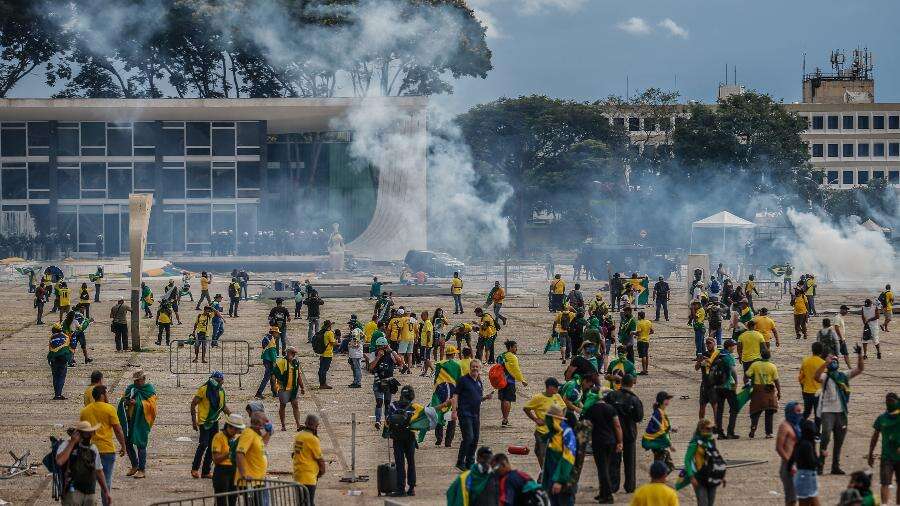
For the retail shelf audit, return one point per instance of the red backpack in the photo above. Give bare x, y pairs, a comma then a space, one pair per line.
497, 376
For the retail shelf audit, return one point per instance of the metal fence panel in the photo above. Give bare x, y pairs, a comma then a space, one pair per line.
257, 493
769, 291
231, 356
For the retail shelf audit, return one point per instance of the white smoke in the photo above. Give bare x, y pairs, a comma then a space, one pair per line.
844, 252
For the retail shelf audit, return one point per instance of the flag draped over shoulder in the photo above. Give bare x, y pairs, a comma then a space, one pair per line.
60, 345
562, 446
447, 371
270, 349
137, 420
694, 459
656, 435
424, 419
287, 374
467, 487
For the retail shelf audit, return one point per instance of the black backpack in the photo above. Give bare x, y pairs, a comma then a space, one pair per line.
398, 423
318, 342
57, 473
882, 299
713, 470
718, 372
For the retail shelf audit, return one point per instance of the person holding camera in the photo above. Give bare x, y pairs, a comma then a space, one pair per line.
82, 469
832, 409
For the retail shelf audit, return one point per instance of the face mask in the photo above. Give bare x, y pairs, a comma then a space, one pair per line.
268, 427
833, 365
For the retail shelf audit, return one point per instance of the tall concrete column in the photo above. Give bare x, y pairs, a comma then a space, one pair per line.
262, 218
52, 162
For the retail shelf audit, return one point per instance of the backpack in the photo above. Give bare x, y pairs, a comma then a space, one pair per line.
398, 423
497, 376
718, 372
80, 471
713, 470
882, 299
56, 472
624, 409
318, 342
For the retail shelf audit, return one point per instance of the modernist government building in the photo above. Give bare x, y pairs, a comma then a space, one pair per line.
244, 165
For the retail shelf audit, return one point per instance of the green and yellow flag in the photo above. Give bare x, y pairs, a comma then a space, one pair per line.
467, 487
137, 420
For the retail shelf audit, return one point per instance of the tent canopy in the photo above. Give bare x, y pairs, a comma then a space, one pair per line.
723, 219
871, 225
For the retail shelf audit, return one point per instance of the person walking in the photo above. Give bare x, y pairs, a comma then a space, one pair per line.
704, 467
606, 440
833, 408
382, 368
887, 425
234, 297
661, 292
446, 373
800, 303
119, 316
84, 299
536, 409
64, 299
840, 326
466, 403
811, 287
82, 468
627, 332
313, 305
456, 286
205, 279
308, 460
789, 432
487, 332
280, 316
656, 435
207, 406
164, 322
269, 356
886, 299
657, 492
618, 368
828, 337
643, 329
496, 297
562, 449
326, 356
137, 412
724, 377
703, 363
809, 383
513, 373
250, 455
59, 355
630, 410
201, 332
96, 380
355, 357
39, 301
870, 314
788, 282
765, 325
290, 382
697, 320
766, 392
557, 293
750, 291
101, 414
399, 414
803, 463
751, 343
223, 472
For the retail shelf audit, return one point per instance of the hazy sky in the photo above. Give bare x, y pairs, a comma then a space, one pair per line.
584, 49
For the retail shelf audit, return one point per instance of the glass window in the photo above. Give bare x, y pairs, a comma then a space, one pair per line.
634, 124
15, 183
862, 177
833, 177
198, 175
878, 122
619, 122
119, 183
173, 183
144, 134
665, 124
68, 183
848, 150
90, 225
248, 133
197, 133
847, 177
198, 224
12, 142
832, 122
894, 149
862, 149
862, 123
144, 176
878, 174
119, 142
894, 122
848, 122
93, 133
223, 220
223, 183
248, 174
68, 142
833, 150
223, 142
38, 176
878, 149
173, 142
38, 133
818, 123
818, 150
894, 176
93, 176
649, 124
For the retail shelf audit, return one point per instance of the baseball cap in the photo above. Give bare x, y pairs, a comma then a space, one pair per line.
729, 343
381, 341
658, 469
662, 396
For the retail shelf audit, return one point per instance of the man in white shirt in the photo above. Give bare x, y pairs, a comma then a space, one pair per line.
841, 328
870, 316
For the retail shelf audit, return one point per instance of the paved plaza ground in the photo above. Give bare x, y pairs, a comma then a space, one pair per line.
28, 417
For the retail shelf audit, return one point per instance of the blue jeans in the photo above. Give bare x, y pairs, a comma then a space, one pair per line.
457, 304
137, 455
58, 370
470, 428
718, 334
244, 291
699, 337
357, 372
664, 304
267, 378
324, 365
108, 460
382, 401
312, 329
203, 455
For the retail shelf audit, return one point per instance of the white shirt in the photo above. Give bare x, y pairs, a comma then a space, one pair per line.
829, 402
839, 324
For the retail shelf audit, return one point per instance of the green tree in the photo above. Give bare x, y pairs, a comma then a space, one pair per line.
545, 149
29, 39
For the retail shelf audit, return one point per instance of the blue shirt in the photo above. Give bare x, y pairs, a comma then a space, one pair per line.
469, 392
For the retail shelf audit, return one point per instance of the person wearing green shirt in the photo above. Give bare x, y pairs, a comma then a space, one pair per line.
375, 289
888, 426
627, 332
618, 368
725, 388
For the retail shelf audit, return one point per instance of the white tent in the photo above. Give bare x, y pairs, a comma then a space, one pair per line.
871, 225
723, 220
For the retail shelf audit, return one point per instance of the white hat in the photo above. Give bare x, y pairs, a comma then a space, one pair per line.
401, 311
235, 420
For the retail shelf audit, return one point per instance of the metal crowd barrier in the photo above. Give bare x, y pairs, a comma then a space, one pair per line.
769, 291
231, 356
255, 493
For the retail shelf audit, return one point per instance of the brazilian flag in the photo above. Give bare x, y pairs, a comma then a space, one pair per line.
447, 371
642, 289
656, 435
778, 270
467, 487
137, 420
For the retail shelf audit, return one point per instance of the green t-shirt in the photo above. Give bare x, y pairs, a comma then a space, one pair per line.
626, 327
889, 426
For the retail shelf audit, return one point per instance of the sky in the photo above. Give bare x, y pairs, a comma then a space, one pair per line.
584, 49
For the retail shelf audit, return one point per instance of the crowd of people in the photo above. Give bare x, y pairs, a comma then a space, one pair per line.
589, 410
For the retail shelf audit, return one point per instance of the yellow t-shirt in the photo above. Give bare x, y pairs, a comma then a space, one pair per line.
557, 322
643, 330
464, 366
540, 403
163, 317
749, 286
426, 338
558, 286
89, 394
765, 326
102, 413
393, 329
255, 463
64, 297
204, 283
654, 494
800, 306
369, 329
763, 372
405, 329
487, 328
751, 343
811, 287
307, 452
329, 344
220, 445
456, 285
807, 376
203, 406
204, 323
889, 302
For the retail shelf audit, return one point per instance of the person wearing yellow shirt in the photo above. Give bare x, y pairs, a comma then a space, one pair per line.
103, 414
750, 291
369, 329
809, 384
250, 453
765, 325
536, 409
886, 299
496, 297
811, 294
426, 343
561, 328
765, 394
644, 329
750, 345
487, 330
456, 286
84, 299
308, 462
507, 395
96, 380
331, 338
801, 312
65, 300
657, 492
164, 322
406, 338
204, 289
557, 293
697, 320
206, 407
289, 382
223, 473
201, 331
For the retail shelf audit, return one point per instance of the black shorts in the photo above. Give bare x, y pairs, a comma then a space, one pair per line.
507, 393
643, 349
843, 348
708, 395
